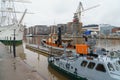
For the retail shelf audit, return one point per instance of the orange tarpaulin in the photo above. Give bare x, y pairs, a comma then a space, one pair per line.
82, 48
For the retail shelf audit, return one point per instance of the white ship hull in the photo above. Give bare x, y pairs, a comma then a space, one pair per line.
77, 70
7, 32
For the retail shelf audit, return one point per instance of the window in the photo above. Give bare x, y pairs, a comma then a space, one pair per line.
91, 65
110, 67
71, 67
119, 62
100, 67
84, 63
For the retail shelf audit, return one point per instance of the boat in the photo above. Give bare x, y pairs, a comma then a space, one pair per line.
11, 29
29, 35
56, 40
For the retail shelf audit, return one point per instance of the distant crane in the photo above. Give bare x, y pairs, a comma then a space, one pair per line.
77, 24
81, 9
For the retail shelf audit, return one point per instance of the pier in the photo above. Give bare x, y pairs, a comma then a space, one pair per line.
45, 50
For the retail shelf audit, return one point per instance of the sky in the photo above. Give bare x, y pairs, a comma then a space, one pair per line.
53, 12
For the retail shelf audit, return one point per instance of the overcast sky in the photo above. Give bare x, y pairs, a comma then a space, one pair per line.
49, 12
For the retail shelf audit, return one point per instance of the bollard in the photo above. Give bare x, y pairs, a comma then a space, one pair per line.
14, 47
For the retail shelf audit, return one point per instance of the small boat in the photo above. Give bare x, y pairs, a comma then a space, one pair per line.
29, 35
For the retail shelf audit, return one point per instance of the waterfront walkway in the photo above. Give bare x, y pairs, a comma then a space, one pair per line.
14, 68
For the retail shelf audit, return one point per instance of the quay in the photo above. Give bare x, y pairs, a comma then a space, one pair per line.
38, 49
14, 68
47, 50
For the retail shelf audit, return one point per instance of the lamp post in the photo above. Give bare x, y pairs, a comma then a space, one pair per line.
14, 48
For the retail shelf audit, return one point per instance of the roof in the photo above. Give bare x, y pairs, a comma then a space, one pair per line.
92, 25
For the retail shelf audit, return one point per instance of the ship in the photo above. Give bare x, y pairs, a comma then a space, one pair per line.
11, 29
82, 65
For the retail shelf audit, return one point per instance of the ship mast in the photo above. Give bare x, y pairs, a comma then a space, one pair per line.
8, 15
8, 12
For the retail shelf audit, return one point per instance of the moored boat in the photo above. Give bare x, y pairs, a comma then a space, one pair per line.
86, 66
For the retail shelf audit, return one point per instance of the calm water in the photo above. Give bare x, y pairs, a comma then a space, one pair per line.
39, 61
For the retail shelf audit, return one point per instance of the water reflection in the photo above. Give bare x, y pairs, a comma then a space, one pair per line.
54, 75
14, 66
20, 52
39, 61
109, 44
36, 39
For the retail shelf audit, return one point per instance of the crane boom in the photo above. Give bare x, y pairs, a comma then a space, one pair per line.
91, 8
81, 9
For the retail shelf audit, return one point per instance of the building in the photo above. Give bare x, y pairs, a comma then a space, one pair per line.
116, 29
92, 27
38, 30
69, 29
106, 29
53, 29
63, 28
31, 30
41, 30
102, 29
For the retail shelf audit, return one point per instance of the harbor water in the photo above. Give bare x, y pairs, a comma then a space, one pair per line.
38, 61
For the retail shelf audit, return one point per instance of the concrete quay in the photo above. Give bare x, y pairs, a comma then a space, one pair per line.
14, 68
40, 49
47, 50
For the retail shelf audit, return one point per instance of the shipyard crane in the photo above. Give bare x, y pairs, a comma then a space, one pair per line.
81, 9
77, 24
